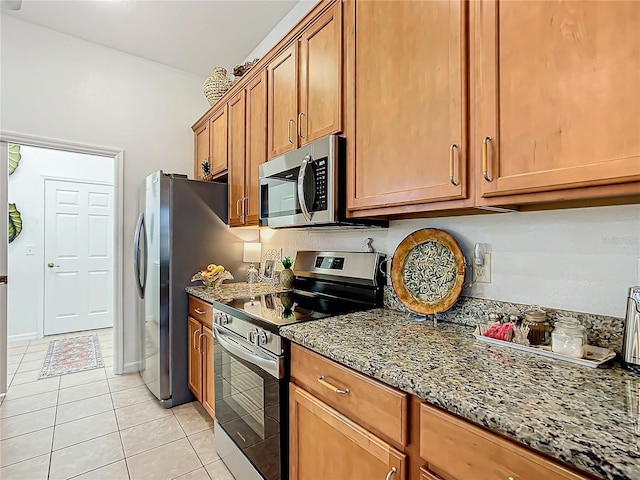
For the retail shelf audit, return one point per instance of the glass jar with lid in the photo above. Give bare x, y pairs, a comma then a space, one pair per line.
539, 329
569, 337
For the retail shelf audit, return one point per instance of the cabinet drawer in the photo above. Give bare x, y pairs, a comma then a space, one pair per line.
375, 406
201, 310
456, 449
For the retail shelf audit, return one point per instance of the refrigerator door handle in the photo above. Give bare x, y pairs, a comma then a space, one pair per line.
140, 285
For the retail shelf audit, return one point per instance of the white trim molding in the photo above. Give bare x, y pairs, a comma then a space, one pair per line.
21, 337
118, 184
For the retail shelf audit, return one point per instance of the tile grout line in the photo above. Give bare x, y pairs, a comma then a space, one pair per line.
55, 421
124, 454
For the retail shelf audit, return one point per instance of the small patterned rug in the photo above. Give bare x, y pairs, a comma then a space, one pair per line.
70, 355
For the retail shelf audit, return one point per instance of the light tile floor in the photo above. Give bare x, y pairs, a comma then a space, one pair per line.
95, 425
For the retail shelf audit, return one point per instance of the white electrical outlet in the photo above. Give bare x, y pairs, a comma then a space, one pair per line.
482, 274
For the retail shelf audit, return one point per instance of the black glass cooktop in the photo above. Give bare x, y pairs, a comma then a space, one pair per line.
292, 307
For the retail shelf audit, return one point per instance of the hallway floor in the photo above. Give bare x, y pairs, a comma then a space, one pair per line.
97, 425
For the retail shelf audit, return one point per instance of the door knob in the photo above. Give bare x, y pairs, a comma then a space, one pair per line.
51, 265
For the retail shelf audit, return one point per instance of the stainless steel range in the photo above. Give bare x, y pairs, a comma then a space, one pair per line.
251, 359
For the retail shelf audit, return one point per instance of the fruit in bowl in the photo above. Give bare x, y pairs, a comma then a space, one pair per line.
212, 276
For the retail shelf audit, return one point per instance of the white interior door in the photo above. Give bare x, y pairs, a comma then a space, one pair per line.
78, 256
4, 175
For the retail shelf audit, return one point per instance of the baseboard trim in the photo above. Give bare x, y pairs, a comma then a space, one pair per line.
22, 337
131, 367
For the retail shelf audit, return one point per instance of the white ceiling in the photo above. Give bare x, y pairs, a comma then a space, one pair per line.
190, 35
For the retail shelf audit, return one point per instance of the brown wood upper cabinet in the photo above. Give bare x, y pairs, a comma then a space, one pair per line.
406, 102
202, 152
305, 85
557, 94
247, 149
218, 126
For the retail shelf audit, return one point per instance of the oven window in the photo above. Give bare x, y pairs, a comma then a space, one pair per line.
247, 402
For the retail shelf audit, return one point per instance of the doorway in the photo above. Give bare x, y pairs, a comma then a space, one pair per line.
27, 250
78, 253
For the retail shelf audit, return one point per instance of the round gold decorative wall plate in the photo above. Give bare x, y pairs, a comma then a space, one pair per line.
428, 271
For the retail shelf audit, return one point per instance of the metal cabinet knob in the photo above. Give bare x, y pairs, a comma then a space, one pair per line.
52, 265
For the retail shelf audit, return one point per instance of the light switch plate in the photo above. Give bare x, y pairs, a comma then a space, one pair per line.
483, 274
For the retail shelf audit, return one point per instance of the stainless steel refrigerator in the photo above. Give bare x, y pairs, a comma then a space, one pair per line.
181, 229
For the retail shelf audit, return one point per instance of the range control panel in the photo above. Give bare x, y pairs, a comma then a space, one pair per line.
333, 263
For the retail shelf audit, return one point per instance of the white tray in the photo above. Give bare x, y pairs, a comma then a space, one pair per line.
596, 356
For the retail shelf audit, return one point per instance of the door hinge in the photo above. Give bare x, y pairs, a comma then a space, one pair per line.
3, 280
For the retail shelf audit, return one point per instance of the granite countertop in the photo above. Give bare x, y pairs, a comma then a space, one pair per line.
232, 290
579, 415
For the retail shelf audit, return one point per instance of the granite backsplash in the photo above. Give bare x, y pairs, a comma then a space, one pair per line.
602, 331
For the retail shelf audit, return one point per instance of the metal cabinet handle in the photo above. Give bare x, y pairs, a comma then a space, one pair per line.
199, 312
337, 390
485, 160
245, 200
511, 478
52, 265
200, 343
242, 203
300, 115
194, 339
238, 207
289, 130
391, 473
452, 155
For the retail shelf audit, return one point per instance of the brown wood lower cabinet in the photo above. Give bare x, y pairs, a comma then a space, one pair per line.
344, 425
427, 475
325, 444
201, 377
208, 391
195, 359
454, 449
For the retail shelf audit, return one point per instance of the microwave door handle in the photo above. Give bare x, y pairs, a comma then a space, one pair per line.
301, 199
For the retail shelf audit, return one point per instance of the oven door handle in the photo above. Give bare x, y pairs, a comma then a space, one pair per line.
301, 196
270, 365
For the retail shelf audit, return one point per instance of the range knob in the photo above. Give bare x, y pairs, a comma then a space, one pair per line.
262, 337
222, 319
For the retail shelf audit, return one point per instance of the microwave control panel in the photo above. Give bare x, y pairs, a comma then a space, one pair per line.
320, 171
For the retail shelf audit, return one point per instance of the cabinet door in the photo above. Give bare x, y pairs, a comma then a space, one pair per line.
195, 362
218, 127
557, 93
236, 159
321, 77
208, 389
408, 68
283, 101
427, 475
201, 154
326, 445
256, 143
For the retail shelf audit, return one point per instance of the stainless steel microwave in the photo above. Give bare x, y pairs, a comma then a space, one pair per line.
306, 187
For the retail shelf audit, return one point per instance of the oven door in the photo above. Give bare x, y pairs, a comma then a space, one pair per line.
250, 405
298, 188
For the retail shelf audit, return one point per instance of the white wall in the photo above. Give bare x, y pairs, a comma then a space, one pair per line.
579, 259
283, 27
56, 86
26, 190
